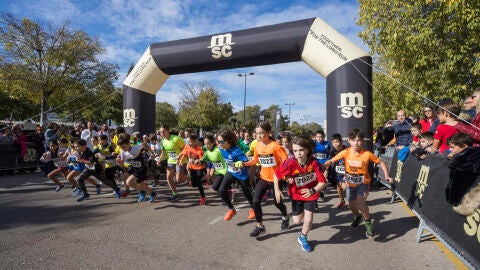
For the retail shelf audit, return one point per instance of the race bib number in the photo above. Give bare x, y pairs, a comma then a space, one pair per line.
90, 166
218, 165
233, 169
355, 179
267, 161
134, 163
305, 179
340, 169
172, 155
321, 155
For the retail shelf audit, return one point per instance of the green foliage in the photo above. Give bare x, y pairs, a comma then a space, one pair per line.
165, 114
428, 50
201, 107
53, 64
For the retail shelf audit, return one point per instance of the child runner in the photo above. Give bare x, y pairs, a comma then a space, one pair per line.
156, 149
305, 180
76, 167
270, 155
131, 158
358, 179
336, 172
107, 154
234, 158
322, 150
93, 169
193, 152
56, 154
172, 145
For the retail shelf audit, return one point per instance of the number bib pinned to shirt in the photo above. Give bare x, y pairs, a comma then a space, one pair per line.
267, 161
218, 165
355, 178
340, 169
134, 163
90, 166
321, 155
172, 155
304, 179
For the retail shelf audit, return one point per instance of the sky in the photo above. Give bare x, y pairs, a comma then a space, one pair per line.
126, 29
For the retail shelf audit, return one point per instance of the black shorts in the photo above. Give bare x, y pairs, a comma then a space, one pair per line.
110, 172
139, 173
298, 206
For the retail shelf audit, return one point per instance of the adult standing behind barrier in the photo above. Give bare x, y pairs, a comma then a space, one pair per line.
88, 134
428, 118
473, 130
401, 128
50, 134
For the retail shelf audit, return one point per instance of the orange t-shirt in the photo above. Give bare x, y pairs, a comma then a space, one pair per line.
192, 154
356, 165
269, 156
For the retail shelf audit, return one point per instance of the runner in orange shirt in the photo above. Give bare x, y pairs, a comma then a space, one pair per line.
193, 152
358, 179
270, 155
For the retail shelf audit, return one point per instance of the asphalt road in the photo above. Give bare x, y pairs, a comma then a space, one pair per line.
41, 229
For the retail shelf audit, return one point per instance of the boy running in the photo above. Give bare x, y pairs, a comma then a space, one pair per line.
358, 179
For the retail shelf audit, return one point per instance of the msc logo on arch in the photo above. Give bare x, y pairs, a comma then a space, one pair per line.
351, 104
221, 45
129, 117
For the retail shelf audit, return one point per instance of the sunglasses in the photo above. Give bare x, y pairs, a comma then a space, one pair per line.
221, 142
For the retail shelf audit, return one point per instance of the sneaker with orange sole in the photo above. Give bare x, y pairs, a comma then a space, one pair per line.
230, 214
251, 214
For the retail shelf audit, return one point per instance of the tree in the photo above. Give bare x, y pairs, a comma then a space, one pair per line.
47, 65
201, 107
165, 114
424, 48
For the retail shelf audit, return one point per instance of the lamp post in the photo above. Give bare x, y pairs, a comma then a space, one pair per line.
289, 120
245, 93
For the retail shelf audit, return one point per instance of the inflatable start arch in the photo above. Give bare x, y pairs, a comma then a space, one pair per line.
346, 67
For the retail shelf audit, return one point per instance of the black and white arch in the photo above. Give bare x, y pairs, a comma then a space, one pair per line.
346, 67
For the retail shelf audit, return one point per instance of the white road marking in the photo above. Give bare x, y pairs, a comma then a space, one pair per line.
217, 219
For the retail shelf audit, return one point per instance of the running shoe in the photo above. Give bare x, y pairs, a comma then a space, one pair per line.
356, 221
369, 227
83, 197
202, 201
259, 231
302, 240
341, 204
285, 224
251, 214
152, 197
59, 188
173, 197
99, 189
124, 194
142, 196
230, 214
118, 194
76, 192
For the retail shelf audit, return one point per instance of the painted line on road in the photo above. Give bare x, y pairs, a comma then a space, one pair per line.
217, 219
452, 257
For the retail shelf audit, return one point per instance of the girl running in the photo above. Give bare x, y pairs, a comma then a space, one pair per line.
172, 145
269, 154
193, 152
305, 179
234, 158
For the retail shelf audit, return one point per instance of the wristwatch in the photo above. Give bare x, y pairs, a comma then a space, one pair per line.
313, 191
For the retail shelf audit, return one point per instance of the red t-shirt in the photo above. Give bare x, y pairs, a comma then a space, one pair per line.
306, 177
442, 133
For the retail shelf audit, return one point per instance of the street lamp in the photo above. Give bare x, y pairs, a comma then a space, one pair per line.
245, 93
289, 104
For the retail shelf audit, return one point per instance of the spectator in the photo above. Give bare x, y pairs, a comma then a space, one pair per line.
19, 139
416, 130
473, 129
50, 134
436, 121
77, 132
428, 118
105, 131
88, 133
424, 147
414, 117
401, 129
447, 115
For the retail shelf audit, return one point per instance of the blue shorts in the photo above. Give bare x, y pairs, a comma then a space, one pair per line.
209, 165
361, 189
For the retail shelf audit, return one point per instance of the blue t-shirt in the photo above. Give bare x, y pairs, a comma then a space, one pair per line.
322, 151
232, 155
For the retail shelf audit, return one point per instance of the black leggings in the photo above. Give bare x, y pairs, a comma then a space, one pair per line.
260, 190
223, 184
196, 177
100, 176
